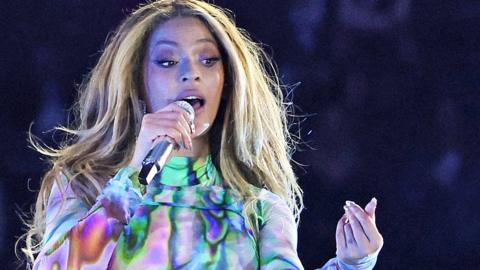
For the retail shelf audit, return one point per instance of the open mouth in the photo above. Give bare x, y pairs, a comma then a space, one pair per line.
195, 101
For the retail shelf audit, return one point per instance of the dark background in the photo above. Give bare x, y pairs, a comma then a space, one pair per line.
390, 88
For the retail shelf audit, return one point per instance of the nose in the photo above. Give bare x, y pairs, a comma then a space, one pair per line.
187, 77
189, 72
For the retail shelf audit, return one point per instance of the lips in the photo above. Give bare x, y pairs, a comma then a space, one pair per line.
196, 101
194, 98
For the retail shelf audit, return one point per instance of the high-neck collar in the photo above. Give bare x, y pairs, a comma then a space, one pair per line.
188, 171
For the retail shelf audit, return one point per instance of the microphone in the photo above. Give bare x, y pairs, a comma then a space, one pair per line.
157, 156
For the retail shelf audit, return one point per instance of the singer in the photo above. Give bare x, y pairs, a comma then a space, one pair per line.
226, 198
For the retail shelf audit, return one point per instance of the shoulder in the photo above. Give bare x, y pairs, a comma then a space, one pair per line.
278, 228
61, 190
62, 198
63, 210
269, 198
272, 207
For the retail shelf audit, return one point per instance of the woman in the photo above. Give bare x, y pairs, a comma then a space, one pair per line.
226, 199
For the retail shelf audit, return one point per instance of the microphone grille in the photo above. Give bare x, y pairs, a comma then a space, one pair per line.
187, 107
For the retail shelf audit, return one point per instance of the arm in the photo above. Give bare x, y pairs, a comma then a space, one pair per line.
278, 235
366, 263
75, 236
278, 240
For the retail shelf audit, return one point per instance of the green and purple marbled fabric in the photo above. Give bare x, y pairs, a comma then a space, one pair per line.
185, 219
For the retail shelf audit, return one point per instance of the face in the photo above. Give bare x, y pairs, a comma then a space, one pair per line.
183, 61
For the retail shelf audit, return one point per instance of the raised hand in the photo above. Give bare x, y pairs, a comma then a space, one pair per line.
170, 123
357, 235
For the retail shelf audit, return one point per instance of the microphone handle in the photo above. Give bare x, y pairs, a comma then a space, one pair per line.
157, 156
154, 161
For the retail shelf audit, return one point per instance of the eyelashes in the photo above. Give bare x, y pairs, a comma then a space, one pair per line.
208, 62
166, 63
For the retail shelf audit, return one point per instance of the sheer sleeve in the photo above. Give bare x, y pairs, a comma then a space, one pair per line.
76, 236
366, 263
278, 234
278, 240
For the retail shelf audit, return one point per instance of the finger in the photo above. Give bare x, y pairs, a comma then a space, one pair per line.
185, 138
163, 138
178, 133
363, 218
358, 232
189, 118
170, 107
371, 207
181, 116
340, 234
173, 126
173, 107
169, 133
349, 235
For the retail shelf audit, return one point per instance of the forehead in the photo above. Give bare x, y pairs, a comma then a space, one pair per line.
185, 31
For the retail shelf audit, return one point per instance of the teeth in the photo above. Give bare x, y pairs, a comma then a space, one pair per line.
191, 97
194, 100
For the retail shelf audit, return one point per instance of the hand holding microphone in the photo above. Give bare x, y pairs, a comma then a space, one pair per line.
168, 128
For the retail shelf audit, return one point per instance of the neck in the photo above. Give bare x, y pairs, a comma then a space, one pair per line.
183, 171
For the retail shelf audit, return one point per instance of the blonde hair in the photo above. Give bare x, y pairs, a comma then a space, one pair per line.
249, 140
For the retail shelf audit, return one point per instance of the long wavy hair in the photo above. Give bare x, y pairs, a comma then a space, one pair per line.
249, 139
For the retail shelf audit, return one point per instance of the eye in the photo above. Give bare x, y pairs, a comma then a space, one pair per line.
210, 61
166, 63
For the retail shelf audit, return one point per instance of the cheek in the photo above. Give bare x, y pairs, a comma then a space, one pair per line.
215, 92
216, 87
155, 100
156, 93
215, 84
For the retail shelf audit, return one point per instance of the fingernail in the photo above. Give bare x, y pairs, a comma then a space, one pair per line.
349, 203
374, 200
346, 209
345, 218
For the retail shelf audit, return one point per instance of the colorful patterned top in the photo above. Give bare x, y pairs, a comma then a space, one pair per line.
185, 219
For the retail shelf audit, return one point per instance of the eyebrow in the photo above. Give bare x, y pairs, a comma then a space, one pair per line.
173, 43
